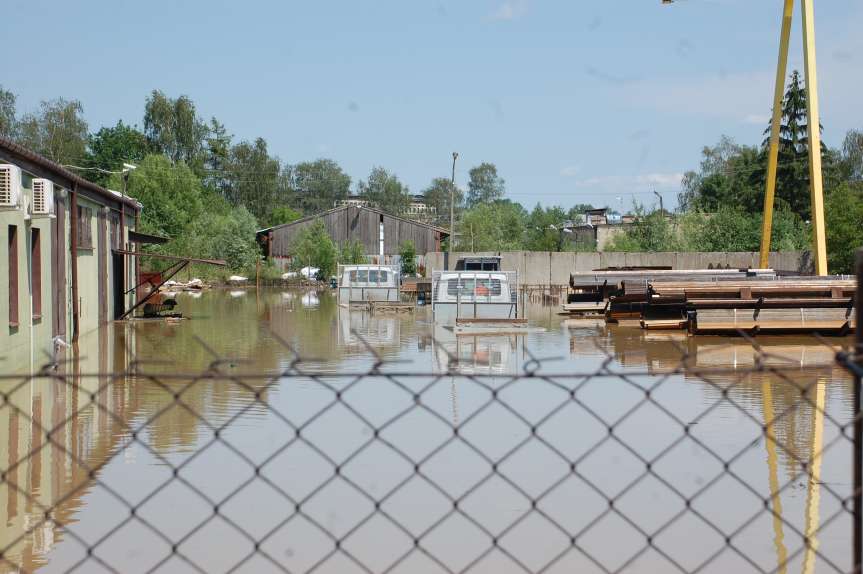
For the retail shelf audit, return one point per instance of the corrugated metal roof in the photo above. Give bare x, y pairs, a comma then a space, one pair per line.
15, 149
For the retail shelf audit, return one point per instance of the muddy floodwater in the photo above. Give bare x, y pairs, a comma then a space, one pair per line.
249, 437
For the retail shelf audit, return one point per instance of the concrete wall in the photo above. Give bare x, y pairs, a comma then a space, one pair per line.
553, 268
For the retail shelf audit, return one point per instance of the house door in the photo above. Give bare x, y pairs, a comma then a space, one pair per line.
117, 284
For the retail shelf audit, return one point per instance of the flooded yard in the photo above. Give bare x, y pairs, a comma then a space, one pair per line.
278, 431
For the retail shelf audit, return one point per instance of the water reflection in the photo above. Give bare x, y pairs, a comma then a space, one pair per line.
476, 354
801, 467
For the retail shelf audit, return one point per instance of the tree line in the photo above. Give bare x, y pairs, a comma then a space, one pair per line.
209, 192
721, 203
204, 189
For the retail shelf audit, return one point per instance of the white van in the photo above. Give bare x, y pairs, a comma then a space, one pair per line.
364, 283
474, 295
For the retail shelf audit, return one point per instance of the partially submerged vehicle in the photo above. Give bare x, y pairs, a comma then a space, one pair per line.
461, 295
363, 284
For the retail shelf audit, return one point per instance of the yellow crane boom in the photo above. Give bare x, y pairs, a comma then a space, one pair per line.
816, 185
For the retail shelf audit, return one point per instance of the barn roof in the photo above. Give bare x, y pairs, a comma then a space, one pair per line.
308, 218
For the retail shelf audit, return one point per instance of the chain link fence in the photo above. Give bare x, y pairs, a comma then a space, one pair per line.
742, 466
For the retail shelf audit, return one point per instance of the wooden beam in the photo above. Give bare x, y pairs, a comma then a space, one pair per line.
218, 262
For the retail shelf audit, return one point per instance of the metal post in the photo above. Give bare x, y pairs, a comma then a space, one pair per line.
452, 203
773, 152
661, 205
819, 246
858, 428
121, 239
73, 232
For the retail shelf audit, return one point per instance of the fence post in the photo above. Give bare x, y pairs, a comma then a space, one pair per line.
858, 424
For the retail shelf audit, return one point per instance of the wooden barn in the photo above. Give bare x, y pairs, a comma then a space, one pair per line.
380, 233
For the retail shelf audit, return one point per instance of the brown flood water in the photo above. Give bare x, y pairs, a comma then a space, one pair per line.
92, 470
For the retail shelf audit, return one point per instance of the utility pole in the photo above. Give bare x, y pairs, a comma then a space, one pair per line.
661, 207
452, 203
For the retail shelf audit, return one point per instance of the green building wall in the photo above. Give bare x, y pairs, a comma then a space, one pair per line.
30, 345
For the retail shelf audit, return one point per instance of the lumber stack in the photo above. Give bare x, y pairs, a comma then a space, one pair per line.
590, 292
716, 300
802, 304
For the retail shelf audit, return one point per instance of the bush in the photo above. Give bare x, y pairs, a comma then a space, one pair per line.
844, 213
352, 253
732, 229
313, 247
408, 255
651, 232
227, 236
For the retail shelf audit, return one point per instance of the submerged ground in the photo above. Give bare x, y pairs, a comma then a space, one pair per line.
313, 452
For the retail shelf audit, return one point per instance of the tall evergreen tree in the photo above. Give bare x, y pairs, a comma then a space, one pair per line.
792, 174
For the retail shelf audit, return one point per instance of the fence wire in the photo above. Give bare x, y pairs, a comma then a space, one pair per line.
682, 469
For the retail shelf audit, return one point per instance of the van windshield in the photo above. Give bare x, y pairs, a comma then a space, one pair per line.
482, 287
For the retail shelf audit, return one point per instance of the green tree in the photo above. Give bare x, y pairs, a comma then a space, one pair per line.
110, 148
729, 175
385, 191
173, 128
217, 156
281, 215
437, 196
498, 226
318, 185
252, 178
57, 131
734, 229
545, 229
227, 235
313, 247
851, 162
171, 194
7, 113
792, 173
352, 253
844, 213
408, 257
652, 231
485, 185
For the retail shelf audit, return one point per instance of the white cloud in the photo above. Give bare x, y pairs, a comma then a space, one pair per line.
510, 10
757, 119
717, 95
632, 183
570, 171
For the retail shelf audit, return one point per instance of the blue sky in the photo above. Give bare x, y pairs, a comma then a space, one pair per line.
597, 102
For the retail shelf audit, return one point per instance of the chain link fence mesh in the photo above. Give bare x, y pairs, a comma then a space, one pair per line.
677, 468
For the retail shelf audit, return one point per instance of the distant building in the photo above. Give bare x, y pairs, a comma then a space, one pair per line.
354, 201
50, 289
380, 233
597, 227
